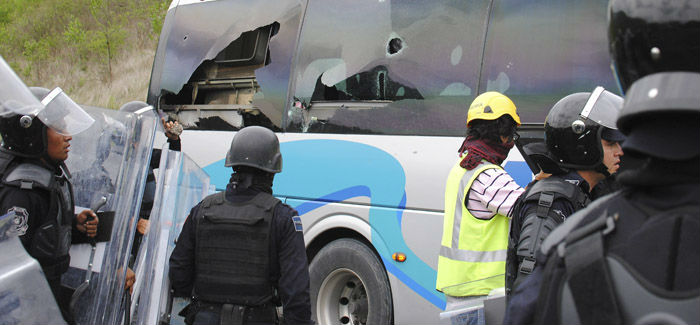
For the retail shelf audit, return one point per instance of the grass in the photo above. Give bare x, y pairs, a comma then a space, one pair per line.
99, 51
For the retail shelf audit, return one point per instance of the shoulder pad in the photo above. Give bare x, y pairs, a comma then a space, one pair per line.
29, 175
287, 210
265, 201
554, 185
571, 223
216, 199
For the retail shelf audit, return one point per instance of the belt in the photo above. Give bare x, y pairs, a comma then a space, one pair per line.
238, 314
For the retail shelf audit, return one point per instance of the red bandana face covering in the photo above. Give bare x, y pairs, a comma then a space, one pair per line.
480, 149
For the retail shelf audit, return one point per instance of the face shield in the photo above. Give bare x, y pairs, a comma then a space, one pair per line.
56, 110
602, 108
63, 115
15, 97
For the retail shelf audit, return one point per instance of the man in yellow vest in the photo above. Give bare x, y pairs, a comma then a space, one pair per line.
479, 195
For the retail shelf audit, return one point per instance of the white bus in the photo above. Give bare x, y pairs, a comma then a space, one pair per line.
369, 100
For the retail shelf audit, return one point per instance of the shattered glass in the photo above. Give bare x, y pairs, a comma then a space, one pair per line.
386, 67
196, 34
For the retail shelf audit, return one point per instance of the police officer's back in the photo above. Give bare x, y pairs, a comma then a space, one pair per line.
242, 249
632, 256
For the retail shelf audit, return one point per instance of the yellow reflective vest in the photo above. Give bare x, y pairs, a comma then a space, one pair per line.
472, 258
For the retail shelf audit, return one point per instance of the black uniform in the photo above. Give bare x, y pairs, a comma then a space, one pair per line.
42, 195
288, 267
543, 206
655, 236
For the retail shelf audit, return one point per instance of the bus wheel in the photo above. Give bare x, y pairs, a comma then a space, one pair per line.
349, 285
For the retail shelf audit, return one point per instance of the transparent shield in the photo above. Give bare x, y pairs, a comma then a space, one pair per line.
181, 185
458, 306
15, 97
111, 160
25, 296
63, 115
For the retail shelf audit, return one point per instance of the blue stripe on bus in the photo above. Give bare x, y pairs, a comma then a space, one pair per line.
314, 168
338, 196
337, 170
436, 298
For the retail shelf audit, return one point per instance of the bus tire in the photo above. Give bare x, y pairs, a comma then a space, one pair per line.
349, 285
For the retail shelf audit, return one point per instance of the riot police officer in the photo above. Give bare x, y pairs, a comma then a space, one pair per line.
35, 182
583, 145
242, 249
632, 257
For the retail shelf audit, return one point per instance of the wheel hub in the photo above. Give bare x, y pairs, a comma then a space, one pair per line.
342, 299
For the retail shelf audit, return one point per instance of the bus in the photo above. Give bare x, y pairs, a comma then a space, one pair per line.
369, 100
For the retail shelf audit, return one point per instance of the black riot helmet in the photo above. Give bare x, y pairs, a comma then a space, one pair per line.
574, 126
647, 37
661, 116
23, 124
22, 135
257, 147
26, 114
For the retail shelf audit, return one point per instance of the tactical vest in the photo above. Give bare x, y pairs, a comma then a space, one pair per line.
537, 224
52, 239
601, 288
232, 262
473, 252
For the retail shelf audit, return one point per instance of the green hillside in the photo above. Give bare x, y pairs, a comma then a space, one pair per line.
99, 51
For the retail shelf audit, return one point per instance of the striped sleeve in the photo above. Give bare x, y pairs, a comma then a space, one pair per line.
492, 192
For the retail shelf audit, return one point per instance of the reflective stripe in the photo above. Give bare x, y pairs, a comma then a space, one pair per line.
457, 221
473, 256
459, 207
591, 102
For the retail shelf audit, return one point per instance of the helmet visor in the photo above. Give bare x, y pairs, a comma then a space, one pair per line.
63, 115
602, 107
15, 97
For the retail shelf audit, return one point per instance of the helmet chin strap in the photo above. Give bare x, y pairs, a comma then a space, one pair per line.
601, 168
241, 180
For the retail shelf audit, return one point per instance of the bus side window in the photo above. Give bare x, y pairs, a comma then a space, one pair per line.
401, 68
536, 55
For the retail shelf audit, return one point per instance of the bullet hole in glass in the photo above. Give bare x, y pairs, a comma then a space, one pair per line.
395, 45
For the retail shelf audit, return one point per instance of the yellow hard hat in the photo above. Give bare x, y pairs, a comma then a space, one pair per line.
490, 106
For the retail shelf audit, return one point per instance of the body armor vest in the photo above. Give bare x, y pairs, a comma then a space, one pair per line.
232, 262
602, 288
52, 239
538, 223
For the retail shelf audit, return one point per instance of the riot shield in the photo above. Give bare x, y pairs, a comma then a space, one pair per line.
110, 162
181, 185
25, 296
457, 309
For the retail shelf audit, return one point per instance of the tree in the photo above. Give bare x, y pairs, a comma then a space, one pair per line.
110, 35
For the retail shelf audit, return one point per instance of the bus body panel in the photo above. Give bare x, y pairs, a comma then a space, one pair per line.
369, 102
366, 184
